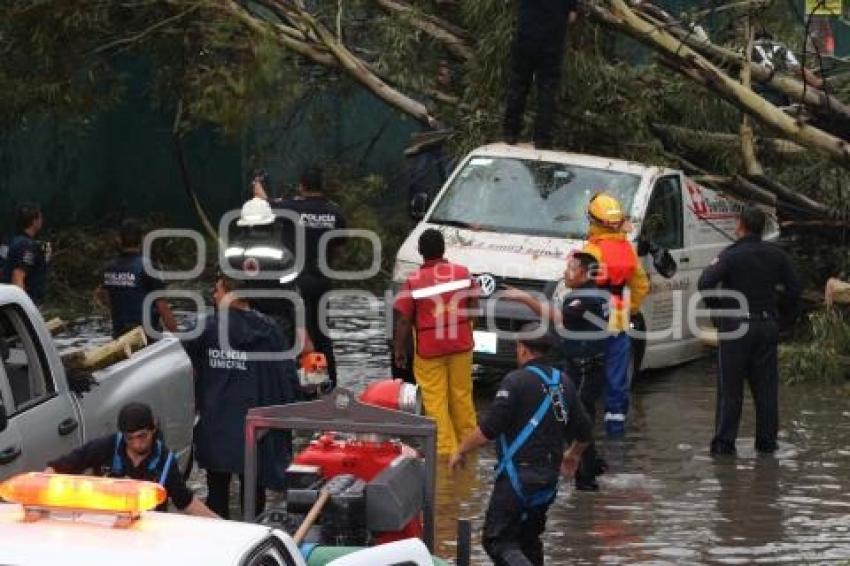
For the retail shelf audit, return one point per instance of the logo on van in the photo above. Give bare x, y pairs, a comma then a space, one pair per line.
487, 283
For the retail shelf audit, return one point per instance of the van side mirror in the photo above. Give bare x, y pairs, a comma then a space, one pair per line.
663, 261
419, 206
4, 418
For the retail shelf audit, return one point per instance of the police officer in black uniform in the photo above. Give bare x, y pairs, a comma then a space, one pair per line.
317, 215
255, 250
135, 452
535, 411
755, 269
125, 284
538, 53
231, 378
582, 326
27, 258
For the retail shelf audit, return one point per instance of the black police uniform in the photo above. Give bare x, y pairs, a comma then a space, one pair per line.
317, 215
107, 456
257, 252
28, 254
514, 522
583, 349
227, 384
127, 283
537, 56
755, 269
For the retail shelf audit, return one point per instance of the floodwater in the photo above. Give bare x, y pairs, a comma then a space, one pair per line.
664, 500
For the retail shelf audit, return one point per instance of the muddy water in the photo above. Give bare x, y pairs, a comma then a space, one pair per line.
664, 500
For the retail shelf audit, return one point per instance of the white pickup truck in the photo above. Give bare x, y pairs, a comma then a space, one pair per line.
42, 415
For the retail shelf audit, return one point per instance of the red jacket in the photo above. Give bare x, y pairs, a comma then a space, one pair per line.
436, 297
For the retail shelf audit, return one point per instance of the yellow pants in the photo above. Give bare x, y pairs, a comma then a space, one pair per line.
446, 385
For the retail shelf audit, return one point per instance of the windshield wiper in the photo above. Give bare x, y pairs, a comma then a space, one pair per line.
458, 223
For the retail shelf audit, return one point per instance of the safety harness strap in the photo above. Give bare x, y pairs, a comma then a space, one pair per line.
118, 464
506, 464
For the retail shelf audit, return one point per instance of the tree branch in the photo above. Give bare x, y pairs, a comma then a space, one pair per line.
442, 31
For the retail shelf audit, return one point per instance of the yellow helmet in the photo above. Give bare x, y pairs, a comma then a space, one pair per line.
605, 210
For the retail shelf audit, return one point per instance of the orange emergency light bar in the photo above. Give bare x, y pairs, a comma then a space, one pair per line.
82, 493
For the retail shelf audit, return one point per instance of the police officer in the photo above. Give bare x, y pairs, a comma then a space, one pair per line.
535, 411
256, 251
582, 326
125, 284
317, 215
619, 271
435, 302
232, 377
27, 259
135, 452
537, 56
754, 269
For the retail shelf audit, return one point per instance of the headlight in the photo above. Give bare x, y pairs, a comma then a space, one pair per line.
403, 269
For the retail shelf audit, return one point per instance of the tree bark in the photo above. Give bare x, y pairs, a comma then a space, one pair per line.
700, 69
442, 31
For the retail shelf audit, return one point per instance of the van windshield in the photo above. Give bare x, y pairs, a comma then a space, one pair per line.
525, 196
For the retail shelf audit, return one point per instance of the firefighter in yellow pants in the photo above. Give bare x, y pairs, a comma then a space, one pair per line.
434, 302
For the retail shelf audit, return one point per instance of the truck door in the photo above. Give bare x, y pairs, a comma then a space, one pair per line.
44, 414
11, 443
663, 225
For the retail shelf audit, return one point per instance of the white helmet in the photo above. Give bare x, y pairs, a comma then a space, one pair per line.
256, 212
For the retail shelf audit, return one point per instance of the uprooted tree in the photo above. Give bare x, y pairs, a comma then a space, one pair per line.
225, 61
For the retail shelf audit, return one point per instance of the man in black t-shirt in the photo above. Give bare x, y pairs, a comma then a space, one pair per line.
535, 412
134, 452
316, 215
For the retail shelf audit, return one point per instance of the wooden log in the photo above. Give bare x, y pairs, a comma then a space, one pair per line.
56, 326
103, 356
837, 291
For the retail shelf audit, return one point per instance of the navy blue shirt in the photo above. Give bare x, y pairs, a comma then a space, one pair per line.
28, 254
317, 215
229, 381
127, 283
585, 313
517, 399
756, 269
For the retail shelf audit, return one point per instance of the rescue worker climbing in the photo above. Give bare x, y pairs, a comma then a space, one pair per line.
435, 302
136, 452
535, 411
620, 273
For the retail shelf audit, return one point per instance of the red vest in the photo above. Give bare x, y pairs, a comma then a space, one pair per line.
441, 292
618, 264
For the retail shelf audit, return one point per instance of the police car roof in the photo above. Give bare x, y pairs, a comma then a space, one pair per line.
156, 538
526, 151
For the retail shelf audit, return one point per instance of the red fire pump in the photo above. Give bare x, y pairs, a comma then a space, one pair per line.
377, 482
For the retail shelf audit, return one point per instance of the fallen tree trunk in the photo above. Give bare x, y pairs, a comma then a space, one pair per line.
787, 85
704, 72
678, 133
104, 356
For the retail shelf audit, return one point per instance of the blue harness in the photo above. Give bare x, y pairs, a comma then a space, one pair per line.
554, 397
118, 463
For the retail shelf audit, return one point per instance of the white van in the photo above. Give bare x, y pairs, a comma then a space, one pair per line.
512, 214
